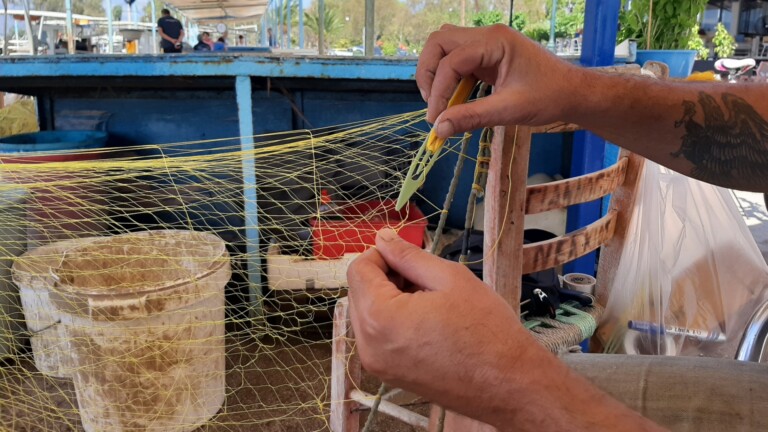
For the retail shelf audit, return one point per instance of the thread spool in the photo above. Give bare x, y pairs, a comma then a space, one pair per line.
579, 282
638, 343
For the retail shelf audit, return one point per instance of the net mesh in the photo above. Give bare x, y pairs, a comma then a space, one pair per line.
160, 288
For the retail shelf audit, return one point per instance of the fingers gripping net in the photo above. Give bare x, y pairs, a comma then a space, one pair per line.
129, 298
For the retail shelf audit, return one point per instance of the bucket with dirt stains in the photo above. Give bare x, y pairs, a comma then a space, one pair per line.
144, 314
32, 274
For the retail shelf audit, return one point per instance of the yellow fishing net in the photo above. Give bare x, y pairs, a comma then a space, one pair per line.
18, 117
165, 288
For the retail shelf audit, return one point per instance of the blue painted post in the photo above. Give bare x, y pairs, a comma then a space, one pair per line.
278, 33
301, 24
154, 27
110, 30
245, 117
601, 19
264, 29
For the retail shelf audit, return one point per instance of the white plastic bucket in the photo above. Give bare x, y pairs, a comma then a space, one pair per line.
144, 317
14, 242
33, 275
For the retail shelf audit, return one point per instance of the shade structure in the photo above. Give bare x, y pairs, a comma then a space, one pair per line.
212, 11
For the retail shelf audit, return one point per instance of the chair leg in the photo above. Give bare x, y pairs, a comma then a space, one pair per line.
345, 372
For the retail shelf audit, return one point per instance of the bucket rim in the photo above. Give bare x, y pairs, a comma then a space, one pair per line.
31, 266
91, 140
218, 261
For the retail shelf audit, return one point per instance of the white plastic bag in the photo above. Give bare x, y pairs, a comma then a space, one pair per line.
689, 268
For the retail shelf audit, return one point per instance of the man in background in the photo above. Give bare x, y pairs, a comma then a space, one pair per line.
171, 32
203, 42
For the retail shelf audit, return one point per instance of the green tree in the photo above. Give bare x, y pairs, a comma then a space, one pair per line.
519, 21
146, 13
725, 44
537, 31
487, 18
331, 24
389, 48
570, 18
84, 7
281, 12
117, 13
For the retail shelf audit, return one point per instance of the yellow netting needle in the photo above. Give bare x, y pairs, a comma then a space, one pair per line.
428, 152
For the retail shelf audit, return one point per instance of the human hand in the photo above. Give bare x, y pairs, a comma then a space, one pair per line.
429, 326
531, 85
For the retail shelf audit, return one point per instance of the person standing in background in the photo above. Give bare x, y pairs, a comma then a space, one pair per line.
220, 44
271, 38
171, 32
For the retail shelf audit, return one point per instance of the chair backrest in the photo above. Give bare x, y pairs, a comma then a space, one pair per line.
620, 180
508, 200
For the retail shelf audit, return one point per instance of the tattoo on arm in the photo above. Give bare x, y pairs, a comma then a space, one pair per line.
731, 143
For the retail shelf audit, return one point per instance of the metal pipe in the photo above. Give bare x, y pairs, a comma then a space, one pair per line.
154, 27
552, 21
279, 35
264, 28
40, 28
370, 6
290, 6
30, 30
5, 27
301, 24
110, 30
70, 29
752, 345
321, 27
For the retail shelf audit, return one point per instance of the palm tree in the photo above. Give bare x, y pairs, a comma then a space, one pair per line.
281, 12
331, 22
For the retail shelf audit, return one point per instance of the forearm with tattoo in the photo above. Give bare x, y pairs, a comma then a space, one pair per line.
731, 141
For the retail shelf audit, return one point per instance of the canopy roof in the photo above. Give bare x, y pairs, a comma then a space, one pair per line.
35, 15
212, 11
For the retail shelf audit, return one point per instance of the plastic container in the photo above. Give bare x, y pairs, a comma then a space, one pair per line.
680, 62
61, 206
144, 316
14, 241
354, 227
52, 141
32, 274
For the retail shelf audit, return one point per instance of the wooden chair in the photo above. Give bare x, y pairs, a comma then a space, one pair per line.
506, 258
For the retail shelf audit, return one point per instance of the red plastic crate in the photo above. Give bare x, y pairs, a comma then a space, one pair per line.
354, 230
